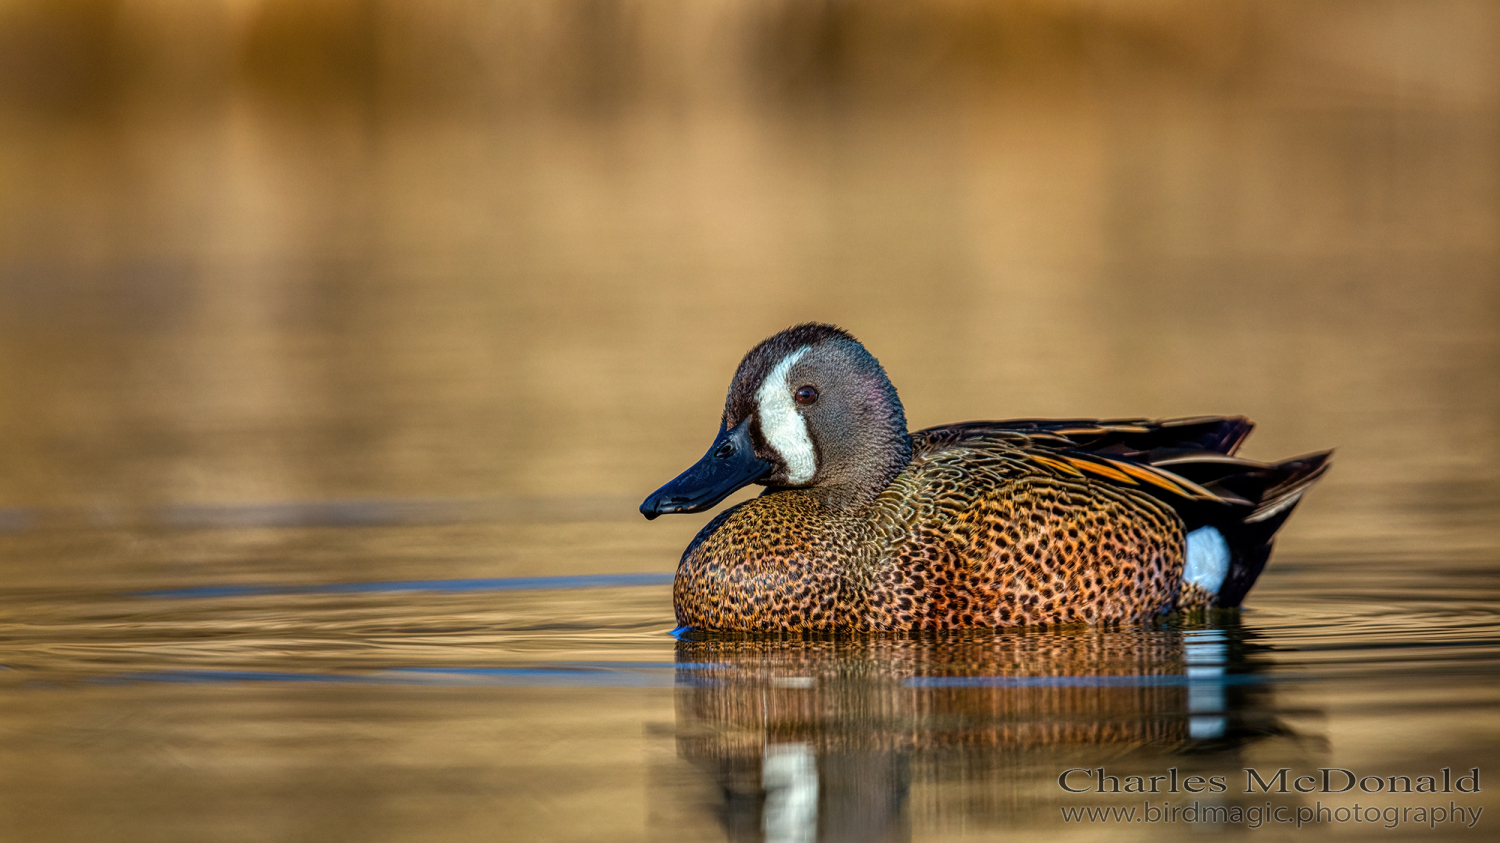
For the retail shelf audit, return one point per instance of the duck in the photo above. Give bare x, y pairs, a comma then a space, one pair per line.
864, 526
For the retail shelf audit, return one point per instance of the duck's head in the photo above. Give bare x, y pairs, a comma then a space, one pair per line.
808, 408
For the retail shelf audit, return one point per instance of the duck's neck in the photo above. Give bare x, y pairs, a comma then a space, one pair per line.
862, 487
860, 465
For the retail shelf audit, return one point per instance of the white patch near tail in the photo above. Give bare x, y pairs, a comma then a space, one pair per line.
782, 425
1207, 559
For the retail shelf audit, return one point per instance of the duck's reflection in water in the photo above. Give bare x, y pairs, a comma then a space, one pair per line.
833, 739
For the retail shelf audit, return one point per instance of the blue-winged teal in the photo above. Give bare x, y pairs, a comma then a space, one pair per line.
864, 526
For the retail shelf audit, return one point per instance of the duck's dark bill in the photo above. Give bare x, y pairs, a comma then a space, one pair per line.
729, 464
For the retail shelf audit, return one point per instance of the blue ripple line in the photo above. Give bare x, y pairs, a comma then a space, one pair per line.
533, 676
573, 666
487, 584
213, 676
1167, 681
502, 676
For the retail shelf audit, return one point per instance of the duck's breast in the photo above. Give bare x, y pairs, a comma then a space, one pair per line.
771, 563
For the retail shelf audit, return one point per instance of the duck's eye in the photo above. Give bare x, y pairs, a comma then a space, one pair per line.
806, 395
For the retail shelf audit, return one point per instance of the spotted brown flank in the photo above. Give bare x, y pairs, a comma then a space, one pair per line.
968, 525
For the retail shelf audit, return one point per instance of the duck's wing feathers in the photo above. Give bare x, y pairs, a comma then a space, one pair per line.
1187, 463
1138, 439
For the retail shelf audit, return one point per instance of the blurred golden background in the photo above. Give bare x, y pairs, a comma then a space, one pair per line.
257, 251
266, 251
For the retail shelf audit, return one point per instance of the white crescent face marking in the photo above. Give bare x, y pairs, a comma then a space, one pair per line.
782, 425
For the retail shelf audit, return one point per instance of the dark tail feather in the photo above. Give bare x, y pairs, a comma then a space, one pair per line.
1275, 491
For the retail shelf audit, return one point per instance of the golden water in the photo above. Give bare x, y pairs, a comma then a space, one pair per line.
326, 329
